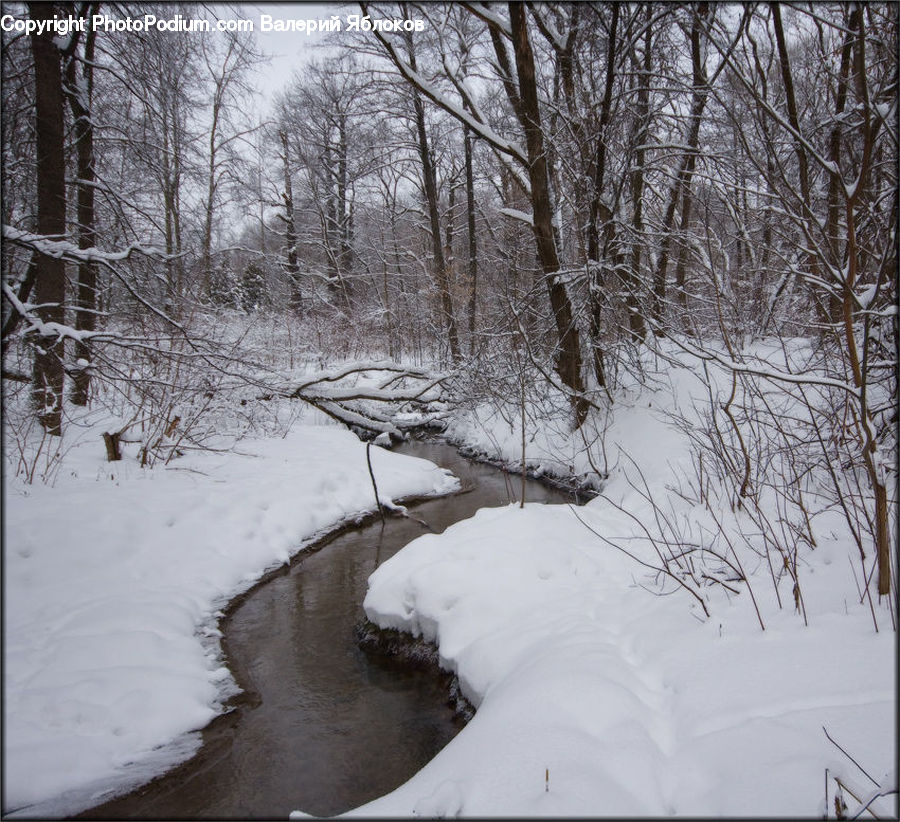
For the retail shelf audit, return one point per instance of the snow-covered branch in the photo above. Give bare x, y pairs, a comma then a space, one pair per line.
66, 250
437, 97
358, 402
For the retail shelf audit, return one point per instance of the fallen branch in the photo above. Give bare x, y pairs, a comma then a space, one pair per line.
372, 477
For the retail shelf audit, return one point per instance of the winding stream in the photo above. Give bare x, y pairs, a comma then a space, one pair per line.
323, 727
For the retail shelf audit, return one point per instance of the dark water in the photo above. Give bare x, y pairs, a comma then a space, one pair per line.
326, 727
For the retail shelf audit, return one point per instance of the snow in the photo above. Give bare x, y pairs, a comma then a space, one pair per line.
113, 580
638, 426
600, 687
634, 705
71, 251
434, 94
516, 214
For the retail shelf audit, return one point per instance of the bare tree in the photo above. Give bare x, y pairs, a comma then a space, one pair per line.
291, 266
50, 274
226, 67
522, 92
79, 92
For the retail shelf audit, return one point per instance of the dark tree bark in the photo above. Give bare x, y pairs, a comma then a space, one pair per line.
170, 177
290, 238
22, 294
835, 185
597, 210
431, 198
787, 79
636, 324
337, 232
522, 95
472, 269
50, 279
218, 102
875, 470
568, 360
600, 161
343, 205
682, 184
700, 93
80, 103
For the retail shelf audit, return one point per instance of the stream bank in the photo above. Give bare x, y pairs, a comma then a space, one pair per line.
322, 725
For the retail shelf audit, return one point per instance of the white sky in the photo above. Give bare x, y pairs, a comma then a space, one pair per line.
290, 50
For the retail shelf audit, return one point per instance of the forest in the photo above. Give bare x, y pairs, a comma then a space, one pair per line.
526, 227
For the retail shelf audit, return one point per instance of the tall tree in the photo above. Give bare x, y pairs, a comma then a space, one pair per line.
568, 362
472, 266
290, 238
225, 67
519, 83
429, 184
636, 323
681, 186
50, 275
79, 89
598, 210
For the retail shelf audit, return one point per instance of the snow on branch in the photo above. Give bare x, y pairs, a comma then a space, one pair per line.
55, 330
515, 214
766, 372
362, 366
434, 94
484, 12
63, 249
358, 404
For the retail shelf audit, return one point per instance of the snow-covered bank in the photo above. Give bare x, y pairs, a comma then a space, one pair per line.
638, 423
601, 687
112, 582
629, 702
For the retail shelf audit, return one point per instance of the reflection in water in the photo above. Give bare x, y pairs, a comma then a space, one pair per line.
332, 728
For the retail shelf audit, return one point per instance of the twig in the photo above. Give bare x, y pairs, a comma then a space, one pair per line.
662, 570
866, 807
374, 486
849, 757
844, 787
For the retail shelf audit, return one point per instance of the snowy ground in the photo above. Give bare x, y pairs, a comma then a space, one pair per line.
110, 573
631, 703
595, 695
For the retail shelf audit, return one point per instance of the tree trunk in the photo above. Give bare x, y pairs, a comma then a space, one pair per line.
206, 248
80, 102
342, 201
430, 183
330, 230
872, 460
596, 208
700, 92
636, 323
293, 270
681, 186
835, 185
50, 279
568, 360
787, 80
473, 247
169, 207
600, 161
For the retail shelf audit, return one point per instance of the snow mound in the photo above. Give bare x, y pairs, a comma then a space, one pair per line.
112, 581
595, 697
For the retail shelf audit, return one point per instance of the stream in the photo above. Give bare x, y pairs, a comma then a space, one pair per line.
322, 727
